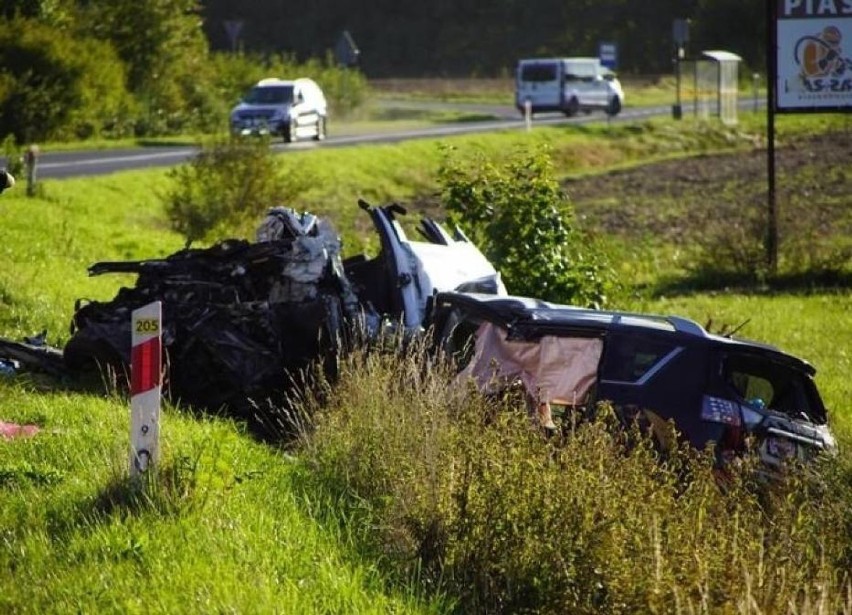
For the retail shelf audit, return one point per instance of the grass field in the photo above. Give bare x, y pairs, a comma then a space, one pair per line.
343, 524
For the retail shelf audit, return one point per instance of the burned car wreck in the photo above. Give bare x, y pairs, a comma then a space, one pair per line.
652, 369
242, 318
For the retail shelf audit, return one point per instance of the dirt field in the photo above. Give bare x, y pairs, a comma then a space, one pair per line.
675, 200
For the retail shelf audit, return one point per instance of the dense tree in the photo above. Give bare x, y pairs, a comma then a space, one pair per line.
163, 46
48, 12
54, 86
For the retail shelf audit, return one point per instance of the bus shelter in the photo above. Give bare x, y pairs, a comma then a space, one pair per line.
714, 84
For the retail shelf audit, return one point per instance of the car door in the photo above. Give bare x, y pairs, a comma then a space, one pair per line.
413, 271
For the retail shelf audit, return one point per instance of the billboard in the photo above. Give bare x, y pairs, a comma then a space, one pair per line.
813, 50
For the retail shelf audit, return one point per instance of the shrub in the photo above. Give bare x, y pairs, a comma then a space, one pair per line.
226, 187
522, 221
55, 86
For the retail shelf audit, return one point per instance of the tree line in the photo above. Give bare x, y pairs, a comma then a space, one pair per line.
461, 38
75, 69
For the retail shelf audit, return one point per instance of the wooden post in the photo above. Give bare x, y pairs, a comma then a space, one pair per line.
31, 162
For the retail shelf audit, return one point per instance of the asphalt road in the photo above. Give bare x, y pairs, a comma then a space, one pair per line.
60, 165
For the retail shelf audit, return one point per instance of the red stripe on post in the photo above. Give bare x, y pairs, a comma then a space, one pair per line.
145, 364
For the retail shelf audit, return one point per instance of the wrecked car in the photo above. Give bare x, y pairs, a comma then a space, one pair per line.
241, 317
656, 369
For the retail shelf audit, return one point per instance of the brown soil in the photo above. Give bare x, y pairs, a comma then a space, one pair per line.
676, 199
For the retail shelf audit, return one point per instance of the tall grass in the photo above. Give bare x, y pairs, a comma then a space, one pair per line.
467, 497
219, 527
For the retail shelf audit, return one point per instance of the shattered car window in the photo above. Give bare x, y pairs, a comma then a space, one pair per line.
631, 359
766, 384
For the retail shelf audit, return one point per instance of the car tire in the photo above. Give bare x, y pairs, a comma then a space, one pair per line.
321, 131
572, 108
614, 106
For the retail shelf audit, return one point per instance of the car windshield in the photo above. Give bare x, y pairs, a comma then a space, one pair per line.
269, 95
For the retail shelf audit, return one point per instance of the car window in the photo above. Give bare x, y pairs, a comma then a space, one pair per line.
459, 336
752, 387
268, 95
628, 358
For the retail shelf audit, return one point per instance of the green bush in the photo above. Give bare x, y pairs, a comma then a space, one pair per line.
56, 87
226, 187
523, 222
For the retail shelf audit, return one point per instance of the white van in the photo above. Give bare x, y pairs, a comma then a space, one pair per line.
292, 109
568, 85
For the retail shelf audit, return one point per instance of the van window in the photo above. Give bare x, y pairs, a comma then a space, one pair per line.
580, 71
538, 72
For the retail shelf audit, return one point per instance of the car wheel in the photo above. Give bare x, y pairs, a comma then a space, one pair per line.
290, 135
614, 107
320, 136
573, 107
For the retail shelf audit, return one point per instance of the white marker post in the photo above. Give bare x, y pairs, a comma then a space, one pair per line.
145, 387
528, 114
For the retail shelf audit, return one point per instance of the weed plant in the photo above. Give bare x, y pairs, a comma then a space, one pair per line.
464, 495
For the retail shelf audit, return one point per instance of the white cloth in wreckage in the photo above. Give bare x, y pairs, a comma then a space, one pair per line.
552, 369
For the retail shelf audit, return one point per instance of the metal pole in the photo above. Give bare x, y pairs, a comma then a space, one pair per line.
678, 110
756, 83
771, 76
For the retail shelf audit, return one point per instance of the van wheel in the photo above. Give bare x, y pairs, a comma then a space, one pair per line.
320, 136
572, 108
290, 135
614, 107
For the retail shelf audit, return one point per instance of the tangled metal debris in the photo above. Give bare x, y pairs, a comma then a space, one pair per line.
240, 318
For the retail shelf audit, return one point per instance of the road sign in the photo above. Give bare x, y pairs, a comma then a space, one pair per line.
680, 32
608, 55
145, 386
233, 27
345, 51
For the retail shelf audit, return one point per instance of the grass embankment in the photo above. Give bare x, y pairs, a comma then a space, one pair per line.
376, 499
